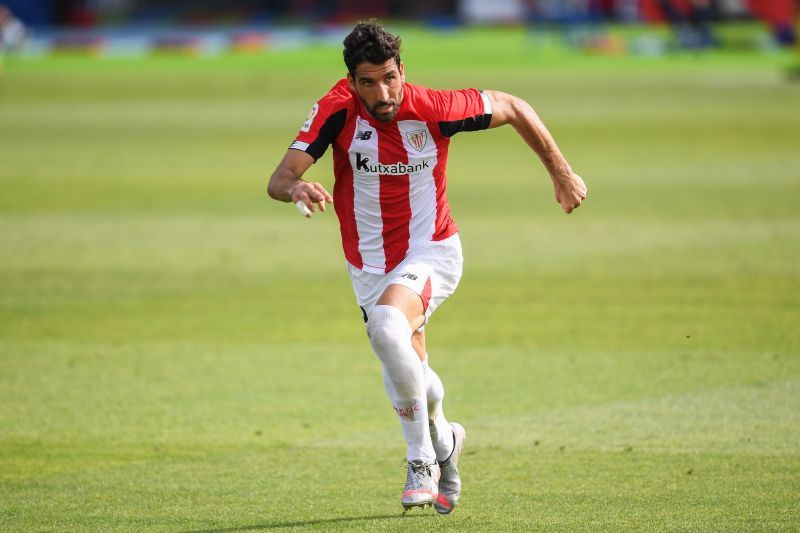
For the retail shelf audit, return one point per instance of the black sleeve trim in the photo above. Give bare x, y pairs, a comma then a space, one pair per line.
327, 134
476, 123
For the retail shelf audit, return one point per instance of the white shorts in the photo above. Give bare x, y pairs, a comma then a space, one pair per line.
432, 271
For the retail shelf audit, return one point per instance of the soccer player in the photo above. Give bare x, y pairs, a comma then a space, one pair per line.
402, 249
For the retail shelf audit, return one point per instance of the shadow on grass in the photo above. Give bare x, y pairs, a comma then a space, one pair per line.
301, 523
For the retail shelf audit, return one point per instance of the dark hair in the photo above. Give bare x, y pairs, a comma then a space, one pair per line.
369, 42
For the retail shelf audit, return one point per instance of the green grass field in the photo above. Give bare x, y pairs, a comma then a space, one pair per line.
179, 353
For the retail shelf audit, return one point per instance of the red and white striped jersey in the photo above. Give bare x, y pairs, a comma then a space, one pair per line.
390, 178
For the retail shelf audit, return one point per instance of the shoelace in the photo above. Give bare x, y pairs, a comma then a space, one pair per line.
415, 471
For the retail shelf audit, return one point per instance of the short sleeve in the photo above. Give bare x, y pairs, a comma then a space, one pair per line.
322, 125
463, 110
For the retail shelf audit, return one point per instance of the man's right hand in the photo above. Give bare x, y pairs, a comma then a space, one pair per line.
313, 195
286, 184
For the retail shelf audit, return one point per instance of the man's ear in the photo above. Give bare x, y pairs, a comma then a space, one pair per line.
402, 69
351, 82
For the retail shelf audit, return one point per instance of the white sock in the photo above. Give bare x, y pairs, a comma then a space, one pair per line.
440, 430
403, 377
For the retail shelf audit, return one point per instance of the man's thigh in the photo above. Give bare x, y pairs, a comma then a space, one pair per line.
424, 279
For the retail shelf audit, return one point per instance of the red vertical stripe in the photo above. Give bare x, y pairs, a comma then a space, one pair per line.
395, 204
344, 196
445, 225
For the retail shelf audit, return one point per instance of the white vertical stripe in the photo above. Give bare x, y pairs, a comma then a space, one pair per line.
367, 198
420, 147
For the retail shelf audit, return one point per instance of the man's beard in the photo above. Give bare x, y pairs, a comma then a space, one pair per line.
387, 115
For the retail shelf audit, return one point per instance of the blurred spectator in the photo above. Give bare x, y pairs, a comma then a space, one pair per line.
780, 15
77, 13
12, 31
692, 23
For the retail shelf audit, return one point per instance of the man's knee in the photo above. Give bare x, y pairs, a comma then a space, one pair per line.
390, 336
407, 301
388, 328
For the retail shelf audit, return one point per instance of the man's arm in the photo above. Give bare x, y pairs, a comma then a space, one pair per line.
286, 184
507, 109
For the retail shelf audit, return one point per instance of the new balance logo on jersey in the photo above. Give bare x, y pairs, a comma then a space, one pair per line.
395, 169
364, 135
409, 275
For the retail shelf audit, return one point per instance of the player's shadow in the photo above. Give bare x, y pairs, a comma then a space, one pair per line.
302, 523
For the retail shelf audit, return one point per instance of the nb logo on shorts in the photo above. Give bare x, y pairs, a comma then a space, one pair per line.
412, 277
364, 135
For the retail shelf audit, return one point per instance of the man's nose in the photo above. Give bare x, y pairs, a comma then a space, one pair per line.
383, 92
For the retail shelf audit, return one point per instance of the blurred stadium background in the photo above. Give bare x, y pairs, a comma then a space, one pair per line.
137, 26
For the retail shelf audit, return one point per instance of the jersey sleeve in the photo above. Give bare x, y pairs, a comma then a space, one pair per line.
322, 125
463, 110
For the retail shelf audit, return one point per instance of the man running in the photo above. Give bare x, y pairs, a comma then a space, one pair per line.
390, 140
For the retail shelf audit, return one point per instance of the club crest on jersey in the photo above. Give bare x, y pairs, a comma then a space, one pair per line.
310, 118
417, 139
